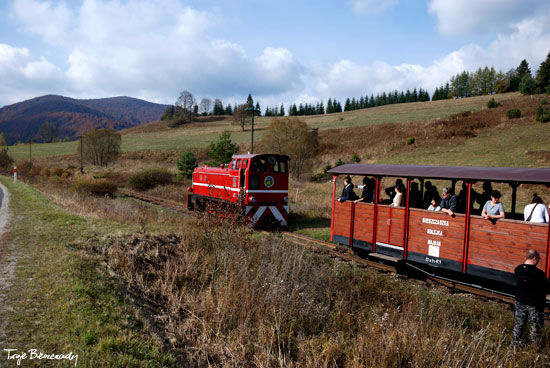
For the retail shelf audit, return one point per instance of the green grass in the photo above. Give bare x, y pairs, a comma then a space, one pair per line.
201, 135
62, 299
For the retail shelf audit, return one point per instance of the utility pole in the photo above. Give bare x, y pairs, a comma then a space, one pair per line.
254, 111
81, 161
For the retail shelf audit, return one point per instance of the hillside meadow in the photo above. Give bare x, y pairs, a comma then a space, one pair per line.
204, 292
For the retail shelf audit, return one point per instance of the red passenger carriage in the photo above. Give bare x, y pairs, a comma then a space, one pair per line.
254, 185
465, 243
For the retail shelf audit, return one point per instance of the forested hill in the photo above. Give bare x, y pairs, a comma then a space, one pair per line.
68, 117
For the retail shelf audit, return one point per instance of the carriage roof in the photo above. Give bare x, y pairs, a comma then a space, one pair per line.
472, 173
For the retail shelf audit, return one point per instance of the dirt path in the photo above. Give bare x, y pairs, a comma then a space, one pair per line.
8, 260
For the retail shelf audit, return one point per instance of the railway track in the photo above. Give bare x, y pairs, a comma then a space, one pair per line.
380, 262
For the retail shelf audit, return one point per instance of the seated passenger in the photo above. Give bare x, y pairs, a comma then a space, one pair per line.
461, 204
448, 202
390, 191
347, 193
485, 196
415, 196
367, 195
536, 211
430, 193
398, 198
434, 206
493, 209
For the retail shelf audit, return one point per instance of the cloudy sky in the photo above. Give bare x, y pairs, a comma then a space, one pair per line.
280, 51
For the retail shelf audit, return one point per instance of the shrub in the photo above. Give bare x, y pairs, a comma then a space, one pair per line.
23, 167
186, 164
339, 162
5, 159
513, 114
95, 187
542, 115
544, 101
411, 140
150, 178
45, 172
355, 158
492, 103
56, 171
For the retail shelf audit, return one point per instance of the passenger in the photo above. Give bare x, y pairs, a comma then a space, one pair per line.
415, 196
493, 209
434, 206
531, 289
390, 191
485, 195
461, 205
448, 202
398, 198
367, 195
347, 193
430, 193
536, 211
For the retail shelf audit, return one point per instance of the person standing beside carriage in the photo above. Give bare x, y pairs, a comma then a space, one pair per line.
531, 289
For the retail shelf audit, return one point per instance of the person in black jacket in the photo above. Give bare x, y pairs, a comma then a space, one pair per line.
347, 193
448, 202
531, 289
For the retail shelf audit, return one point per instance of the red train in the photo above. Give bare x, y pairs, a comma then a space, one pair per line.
465, 243
254, 186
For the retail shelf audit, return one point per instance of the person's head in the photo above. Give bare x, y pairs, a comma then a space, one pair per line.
446, 192
428, 184
495, 195
347, 180
366, 180
433, 202
398, 182
487, 186
536, 199
400, 188
414, 185
532, 257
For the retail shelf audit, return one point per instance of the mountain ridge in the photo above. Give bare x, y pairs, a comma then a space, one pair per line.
73, 117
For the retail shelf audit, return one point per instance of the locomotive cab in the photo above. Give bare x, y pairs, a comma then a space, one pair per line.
256, 185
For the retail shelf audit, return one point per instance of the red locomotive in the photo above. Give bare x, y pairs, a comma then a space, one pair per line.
254, 185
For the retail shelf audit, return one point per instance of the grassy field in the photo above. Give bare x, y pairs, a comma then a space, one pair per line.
62, 299
199, 135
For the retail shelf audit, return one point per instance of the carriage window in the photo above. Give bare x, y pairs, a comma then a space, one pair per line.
279, 167
234, 165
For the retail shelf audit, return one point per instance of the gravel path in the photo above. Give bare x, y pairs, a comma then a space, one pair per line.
8, 260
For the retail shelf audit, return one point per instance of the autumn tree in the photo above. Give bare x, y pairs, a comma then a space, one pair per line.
184, 108
293, 137
47, 132
102, 146
204, 106
240, 116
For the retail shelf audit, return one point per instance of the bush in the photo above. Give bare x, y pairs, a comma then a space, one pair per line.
95, 187
56, 171
542, 115
492, 103
513, 114
45, 172
186, 164
411, 140
5, 159
150, 178
544, 101
355, 158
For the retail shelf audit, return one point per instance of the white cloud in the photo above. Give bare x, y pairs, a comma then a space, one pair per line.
529, 39
146, 48
482, 17
23, 75
369, 7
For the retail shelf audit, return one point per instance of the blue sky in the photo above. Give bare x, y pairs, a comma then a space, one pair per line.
280, 51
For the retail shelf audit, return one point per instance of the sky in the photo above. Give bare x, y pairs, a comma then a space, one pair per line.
282, 51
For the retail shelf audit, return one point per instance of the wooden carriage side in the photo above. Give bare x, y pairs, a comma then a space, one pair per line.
464, 243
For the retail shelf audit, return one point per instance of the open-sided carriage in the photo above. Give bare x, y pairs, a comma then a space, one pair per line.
465, 243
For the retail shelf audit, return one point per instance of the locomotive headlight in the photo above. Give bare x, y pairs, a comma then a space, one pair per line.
285, 199
252, 199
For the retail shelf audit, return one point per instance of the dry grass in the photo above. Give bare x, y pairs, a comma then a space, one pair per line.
229, 298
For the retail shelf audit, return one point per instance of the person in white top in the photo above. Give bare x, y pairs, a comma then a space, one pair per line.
536, 211
434, 206
399, 189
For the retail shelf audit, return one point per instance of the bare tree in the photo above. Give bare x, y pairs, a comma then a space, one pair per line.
184, 108
241, 117
293, 137
47, 132
101, 146
204, 106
